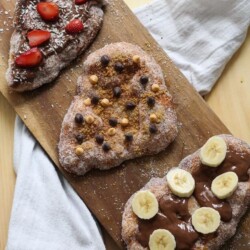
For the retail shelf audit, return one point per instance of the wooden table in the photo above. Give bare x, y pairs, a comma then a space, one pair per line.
230, 100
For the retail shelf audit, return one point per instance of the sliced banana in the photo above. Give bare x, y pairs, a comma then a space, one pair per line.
162, 239
213, 152
145, 204
180, 182
206, 220
224, 185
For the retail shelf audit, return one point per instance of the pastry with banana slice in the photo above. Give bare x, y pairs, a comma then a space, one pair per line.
197, 205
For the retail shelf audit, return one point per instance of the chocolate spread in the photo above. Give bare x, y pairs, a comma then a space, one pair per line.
173, 212
173, 216
204, 175
28, 19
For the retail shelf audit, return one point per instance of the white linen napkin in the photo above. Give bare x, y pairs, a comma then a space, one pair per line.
47, 213
200, 36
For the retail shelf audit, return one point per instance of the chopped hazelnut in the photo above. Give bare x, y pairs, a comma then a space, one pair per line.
153, 118
111, 131
87, 102
89, 119
155, 87
93, 79
79, 151
124, 122
105, 102
136, 59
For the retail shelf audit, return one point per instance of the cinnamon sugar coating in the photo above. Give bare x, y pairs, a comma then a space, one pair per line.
131, 103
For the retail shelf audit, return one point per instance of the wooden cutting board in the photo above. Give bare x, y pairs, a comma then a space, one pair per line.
42, 110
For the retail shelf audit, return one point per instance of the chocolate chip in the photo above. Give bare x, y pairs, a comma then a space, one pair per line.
119, 67
105, 60
79, 118
106, 147
113, 122
99, 139
152, 129
95, 100
128, 137
130, 106
117, 92
80, 138
144, 80
151, 101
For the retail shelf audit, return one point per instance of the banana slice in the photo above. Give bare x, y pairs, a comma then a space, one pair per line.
224, 185
213, 152
162, 239
145, 204
180, 182
206, 220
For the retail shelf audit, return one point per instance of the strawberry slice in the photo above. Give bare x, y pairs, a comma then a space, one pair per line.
38, 37
30, 58
48, 11
80, 1
75, 26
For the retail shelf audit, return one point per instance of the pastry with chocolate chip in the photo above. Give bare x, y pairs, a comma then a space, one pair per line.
197, 205
48, 36
122, 109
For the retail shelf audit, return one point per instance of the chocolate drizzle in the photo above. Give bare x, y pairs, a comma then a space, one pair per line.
237, 162
204, 175
205, 198
27, 19
173, 212
173, 216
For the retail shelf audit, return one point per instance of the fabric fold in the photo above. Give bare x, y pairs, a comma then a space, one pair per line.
200, 36
46, 212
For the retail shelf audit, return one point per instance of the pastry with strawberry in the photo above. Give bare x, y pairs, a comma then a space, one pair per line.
48, 36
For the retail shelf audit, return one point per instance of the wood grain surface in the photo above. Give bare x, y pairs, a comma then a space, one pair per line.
230, 98
7, 176
42, 110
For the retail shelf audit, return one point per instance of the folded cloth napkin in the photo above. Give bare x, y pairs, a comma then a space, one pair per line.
47, 213
200, 36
